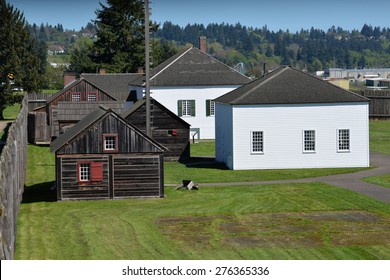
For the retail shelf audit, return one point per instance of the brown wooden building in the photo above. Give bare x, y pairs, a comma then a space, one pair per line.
167, 128
67, 107
105, 157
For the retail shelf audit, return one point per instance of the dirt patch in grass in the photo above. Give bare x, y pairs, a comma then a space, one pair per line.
292, 229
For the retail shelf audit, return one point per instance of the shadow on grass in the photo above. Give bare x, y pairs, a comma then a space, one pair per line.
205, 162
43, 192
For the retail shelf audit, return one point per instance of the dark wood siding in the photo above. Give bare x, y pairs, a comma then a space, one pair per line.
133, 175
68, 183
379, 105
138, 175
38, 131
167, 129
91, 140
83, 88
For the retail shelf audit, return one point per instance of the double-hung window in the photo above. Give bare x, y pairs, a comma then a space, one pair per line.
257, 142
186, 108
210, 108
343, 140
309, 141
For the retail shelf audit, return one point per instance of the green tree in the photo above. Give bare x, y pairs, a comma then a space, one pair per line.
120, 31
81, 56
20, 62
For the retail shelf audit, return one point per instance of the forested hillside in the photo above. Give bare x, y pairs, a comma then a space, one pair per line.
312, 49
248, 48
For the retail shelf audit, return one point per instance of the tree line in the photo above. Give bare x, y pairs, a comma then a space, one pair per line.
115, 39
311, 49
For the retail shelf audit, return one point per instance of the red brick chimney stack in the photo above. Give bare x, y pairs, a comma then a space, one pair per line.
69, 77
203, 44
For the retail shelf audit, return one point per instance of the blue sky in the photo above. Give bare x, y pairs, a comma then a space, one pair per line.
279, 14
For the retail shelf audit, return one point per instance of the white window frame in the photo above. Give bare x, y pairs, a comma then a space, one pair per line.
212, 108
309, 141
84, 172
186, 108
257, 145
76, 96
110, 142
92, 96
343, 140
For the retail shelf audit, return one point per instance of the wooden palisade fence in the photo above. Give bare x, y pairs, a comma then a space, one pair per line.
379, 107
12, 179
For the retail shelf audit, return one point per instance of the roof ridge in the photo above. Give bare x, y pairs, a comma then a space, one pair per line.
283, 69
180, 56
220, 62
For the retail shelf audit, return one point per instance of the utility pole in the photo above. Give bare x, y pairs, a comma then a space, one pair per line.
147, 69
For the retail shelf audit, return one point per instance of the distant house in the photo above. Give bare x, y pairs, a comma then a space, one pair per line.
167, 128
68, 106
290, 119
187, 84
104, 157
121, 86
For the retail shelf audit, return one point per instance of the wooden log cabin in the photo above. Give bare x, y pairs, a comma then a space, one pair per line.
167, 128
105, 157
67, 107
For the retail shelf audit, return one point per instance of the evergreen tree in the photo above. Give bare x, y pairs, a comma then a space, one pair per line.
19, 56
120, 31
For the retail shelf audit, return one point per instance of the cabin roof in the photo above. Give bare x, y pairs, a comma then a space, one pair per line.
74, 83
193, 67
287, 85
153, 101
98, 114
115, 84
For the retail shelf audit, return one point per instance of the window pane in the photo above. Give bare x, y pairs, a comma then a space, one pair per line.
186, 107
212, 108
84, 172
76, 97
257, 141
110, 142
309, 141
91, 97
343, 139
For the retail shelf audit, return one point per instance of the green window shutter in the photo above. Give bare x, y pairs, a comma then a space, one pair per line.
208, 103
193, 108
179, 108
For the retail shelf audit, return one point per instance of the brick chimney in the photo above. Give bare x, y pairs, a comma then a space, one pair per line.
69, 77
203, 44
102, 71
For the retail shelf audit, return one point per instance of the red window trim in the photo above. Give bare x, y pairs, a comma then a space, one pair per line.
95, 171
116, 143
74, 93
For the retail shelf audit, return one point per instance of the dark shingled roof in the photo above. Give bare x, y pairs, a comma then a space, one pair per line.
195, 68
115, 84
153, 102
287, 85
86, 122
72, 84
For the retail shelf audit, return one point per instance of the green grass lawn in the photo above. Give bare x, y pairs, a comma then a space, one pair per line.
296, 221
11, 112
291, 221
380, 136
